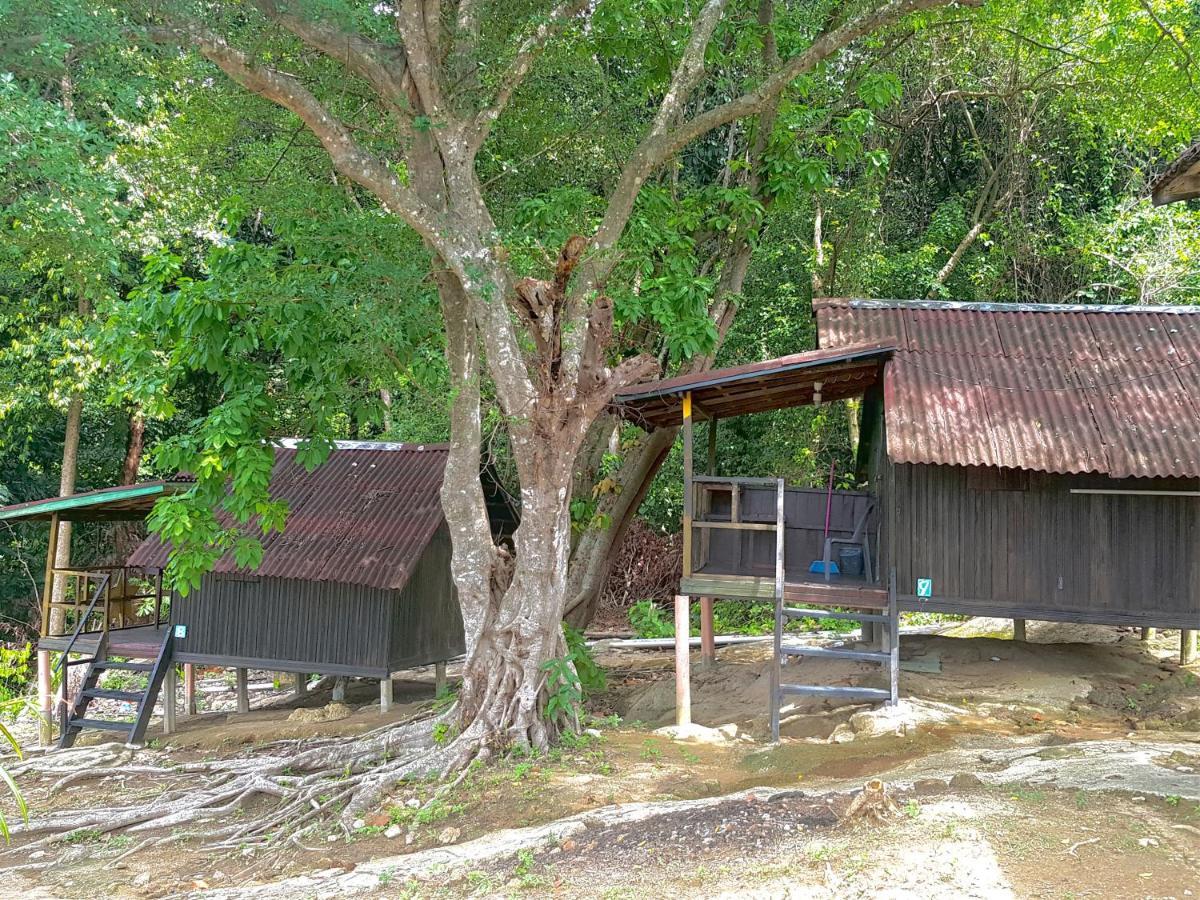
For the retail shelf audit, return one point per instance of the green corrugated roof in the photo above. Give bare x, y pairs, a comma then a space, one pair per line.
113, 499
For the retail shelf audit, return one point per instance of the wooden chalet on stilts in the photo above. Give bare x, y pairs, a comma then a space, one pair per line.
1023, 461
358, 584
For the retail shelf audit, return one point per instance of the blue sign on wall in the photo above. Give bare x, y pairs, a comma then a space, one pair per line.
924, 588
180, 631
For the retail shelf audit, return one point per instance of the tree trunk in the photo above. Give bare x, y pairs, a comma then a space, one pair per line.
126, 535
66, 487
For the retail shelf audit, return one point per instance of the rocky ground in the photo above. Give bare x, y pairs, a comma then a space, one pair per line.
1068, 766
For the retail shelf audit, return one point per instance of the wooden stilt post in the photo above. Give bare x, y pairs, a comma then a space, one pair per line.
170, 685
385, 694
708, 640
1187, 646
339, 690
1018, 629
45, 676
683, 661
439, 678
189, 689
243, 690
301, 686
1148, 633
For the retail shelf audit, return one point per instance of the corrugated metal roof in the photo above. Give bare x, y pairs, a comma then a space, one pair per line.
362, 517
1065, 389
757, 387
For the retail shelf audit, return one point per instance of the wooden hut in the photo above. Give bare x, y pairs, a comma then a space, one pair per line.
358, 584
1024, 461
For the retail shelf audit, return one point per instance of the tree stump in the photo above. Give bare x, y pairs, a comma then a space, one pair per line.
872, 803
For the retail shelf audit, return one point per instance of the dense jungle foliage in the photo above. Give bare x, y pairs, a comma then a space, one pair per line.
178, 253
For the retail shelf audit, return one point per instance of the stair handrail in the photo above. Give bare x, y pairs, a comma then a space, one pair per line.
82, 620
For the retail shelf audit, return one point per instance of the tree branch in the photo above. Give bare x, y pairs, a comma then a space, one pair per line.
349, 157
381, 66
528, 52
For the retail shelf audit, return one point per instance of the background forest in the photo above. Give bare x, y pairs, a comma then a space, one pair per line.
183, 271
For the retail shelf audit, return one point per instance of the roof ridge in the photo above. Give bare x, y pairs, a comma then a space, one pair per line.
293, 443
989, 307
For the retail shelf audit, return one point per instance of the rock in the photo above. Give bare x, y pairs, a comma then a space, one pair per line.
410, 837
926, 786
329, 713
449, 835
141, 879
899, 719
568, 845
964, 780
359, 823
412, 803
393, 831
592, 732
730, 730
842, 734
692, 732
332, 838
37, 854
218, 875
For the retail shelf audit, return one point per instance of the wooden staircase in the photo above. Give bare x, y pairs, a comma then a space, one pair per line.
74, 717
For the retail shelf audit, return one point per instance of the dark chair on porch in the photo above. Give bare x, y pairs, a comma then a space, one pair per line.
859, 539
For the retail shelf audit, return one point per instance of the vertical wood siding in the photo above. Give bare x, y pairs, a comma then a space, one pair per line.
426, 622
1041, 551
322, 626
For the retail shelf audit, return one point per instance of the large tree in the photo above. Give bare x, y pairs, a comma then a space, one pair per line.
439, 76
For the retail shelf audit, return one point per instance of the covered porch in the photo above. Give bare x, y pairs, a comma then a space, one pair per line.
759, 539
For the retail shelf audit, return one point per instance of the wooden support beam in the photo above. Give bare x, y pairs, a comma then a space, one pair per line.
243, 690
189, 689
708, 639
1187, 647
683, 671
439, 678
301, 685
385, 695
45, 676
339, 689
169, 686
688, 486
1148, 633
1018, 629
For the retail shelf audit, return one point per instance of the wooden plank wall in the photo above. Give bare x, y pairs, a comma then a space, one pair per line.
427, 624
1006, 542
753, 552
285, 623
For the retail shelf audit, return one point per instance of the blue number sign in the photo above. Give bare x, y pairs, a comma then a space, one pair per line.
924, 588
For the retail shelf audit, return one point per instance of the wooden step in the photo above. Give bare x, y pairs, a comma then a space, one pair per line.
107, 694
835, 692
793, 613
106, 724
128, 666
836, 653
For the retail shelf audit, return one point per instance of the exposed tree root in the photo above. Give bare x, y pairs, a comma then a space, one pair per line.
313, 783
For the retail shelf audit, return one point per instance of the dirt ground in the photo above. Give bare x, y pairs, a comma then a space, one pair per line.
1068, 766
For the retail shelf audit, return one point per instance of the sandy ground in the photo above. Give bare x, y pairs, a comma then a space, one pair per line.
1045, 769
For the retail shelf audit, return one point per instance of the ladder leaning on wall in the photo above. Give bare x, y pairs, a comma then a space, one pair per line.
888, 657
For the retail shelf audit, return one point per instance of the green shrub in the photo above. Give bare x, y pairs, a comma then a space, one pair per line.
648, 621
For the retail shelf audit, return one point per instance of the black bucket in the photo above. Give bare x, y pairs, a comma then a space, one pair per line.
850, 561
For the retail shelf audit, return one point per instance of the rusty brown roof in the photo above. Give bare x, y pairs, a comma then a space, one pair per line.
362, 517
1181, 180
841, 372
1052, 388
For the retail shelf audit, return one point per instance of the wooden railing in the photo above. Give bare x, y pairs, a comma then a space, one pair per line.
98, 598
